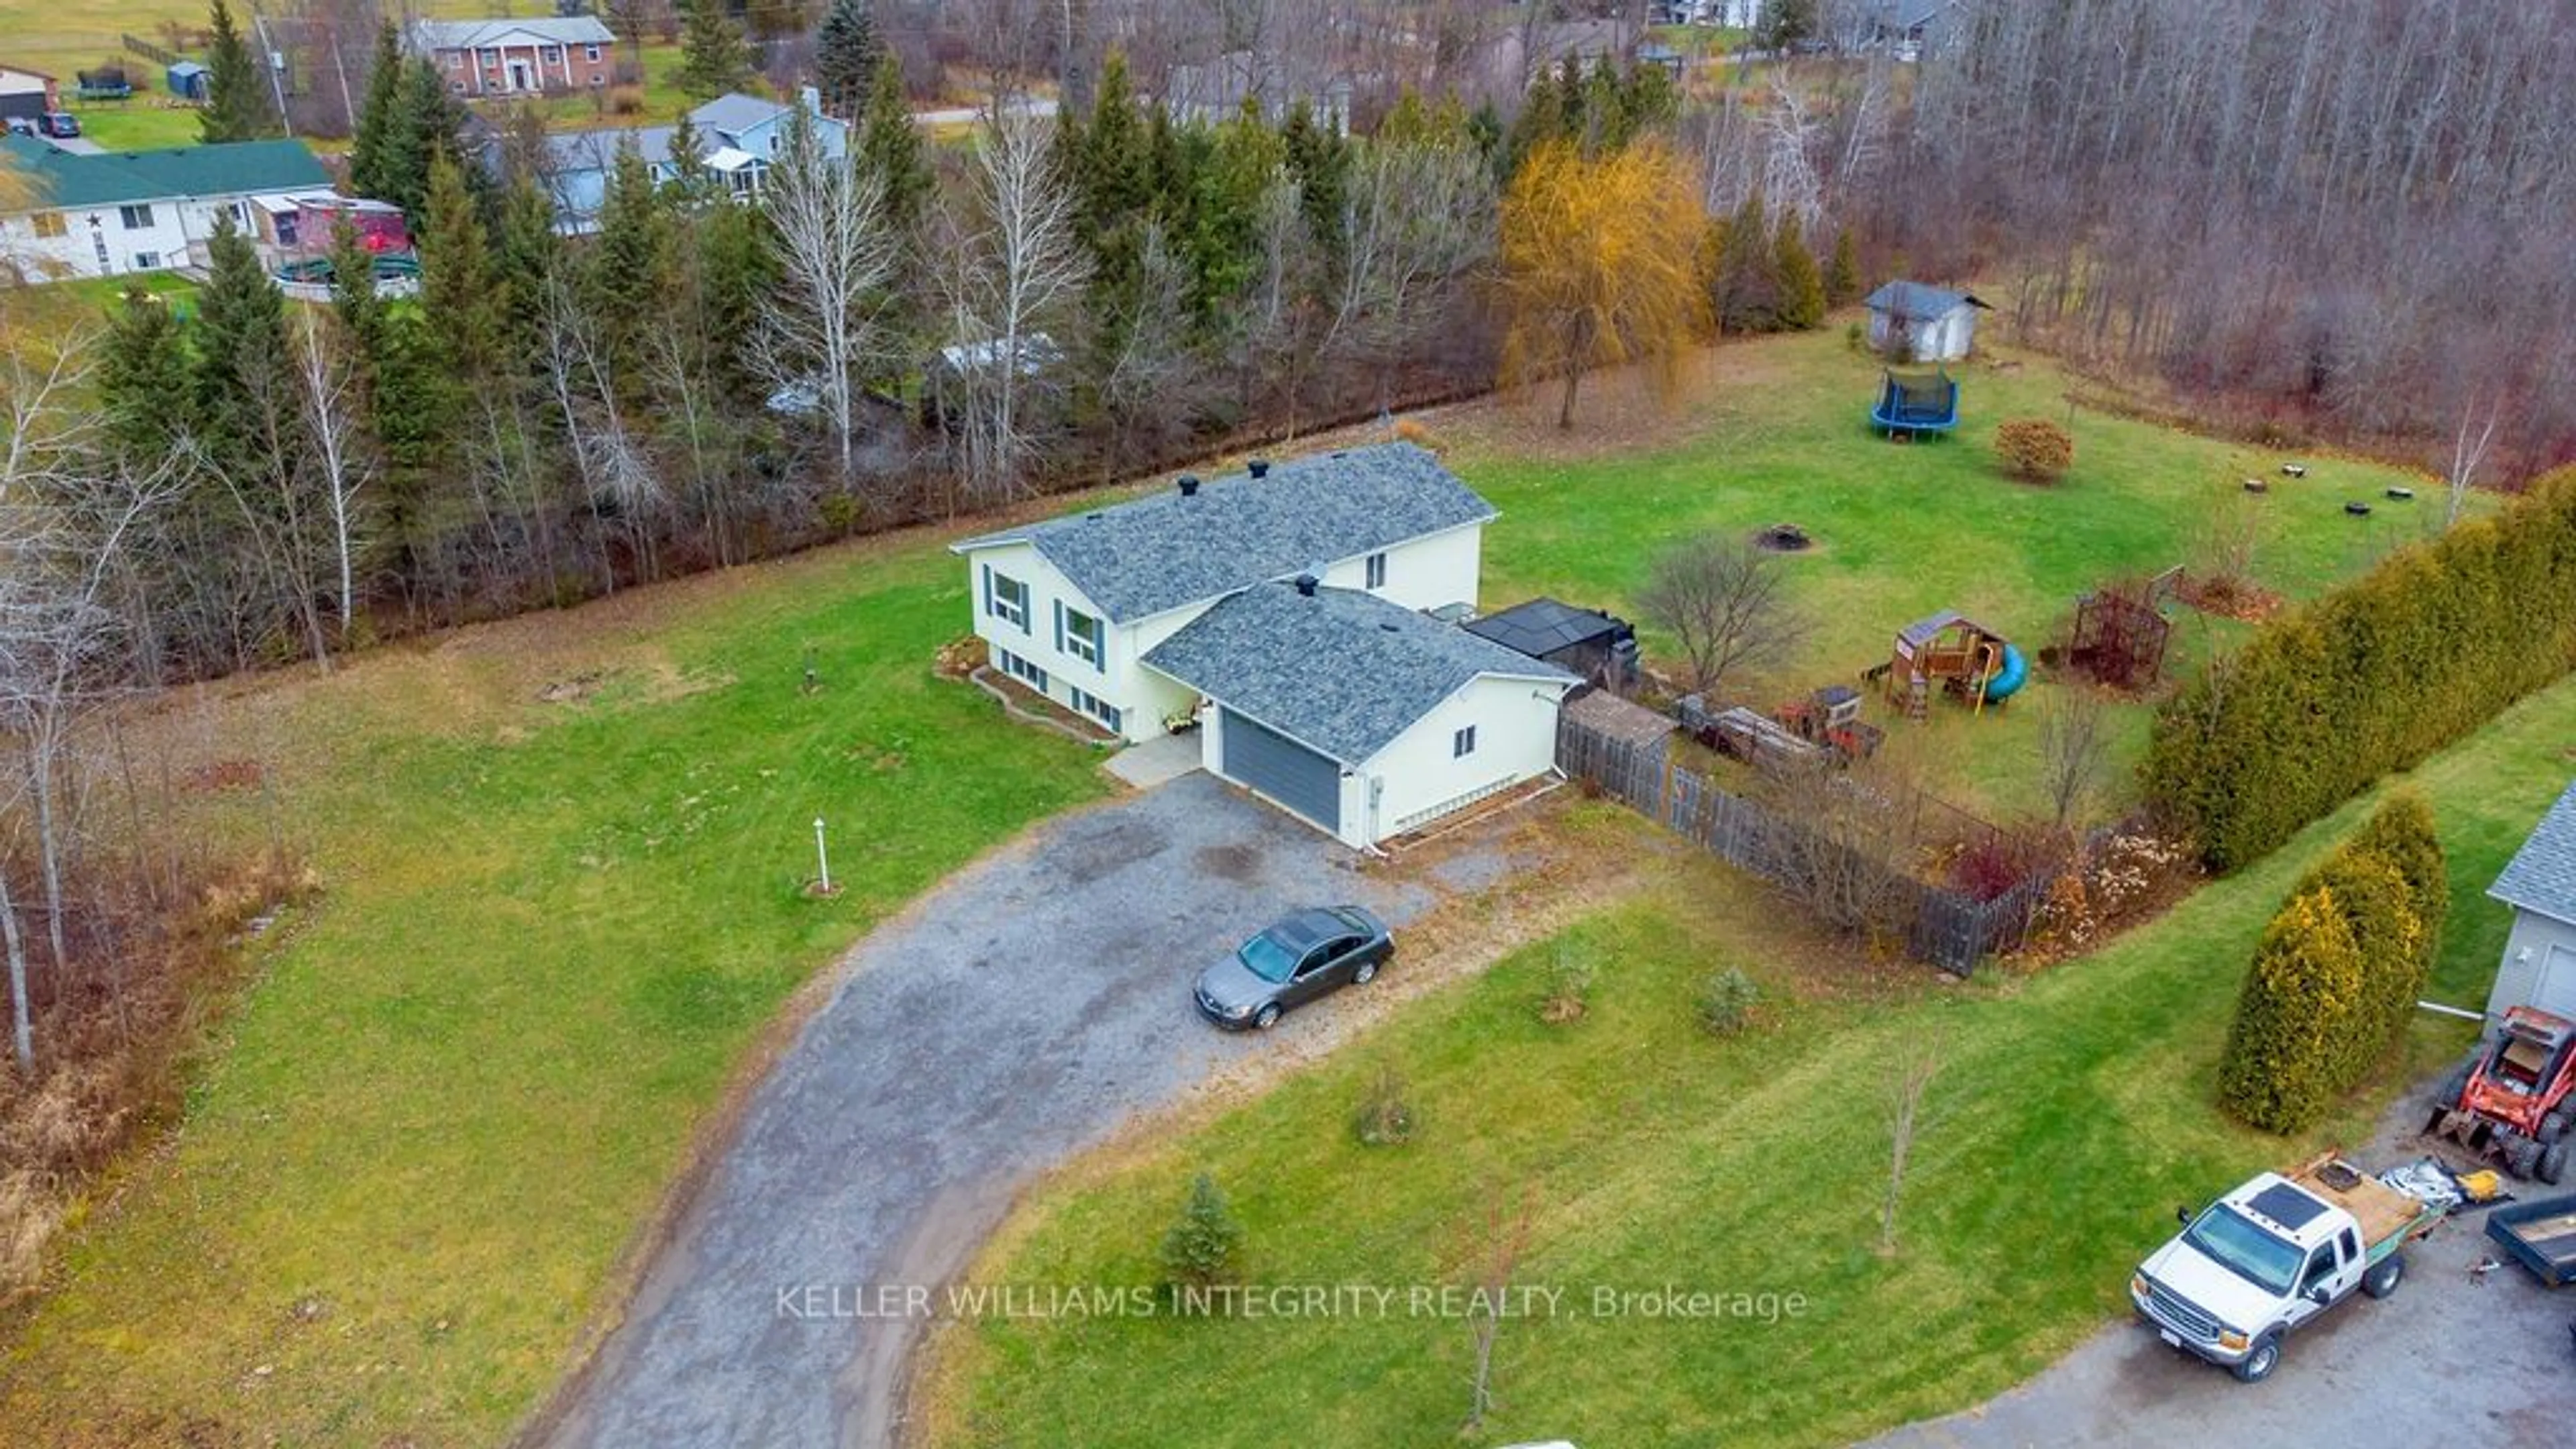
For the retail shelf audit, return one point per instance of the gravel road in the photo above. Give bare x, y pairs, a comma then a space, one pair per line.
1025, 1008
2454, 1357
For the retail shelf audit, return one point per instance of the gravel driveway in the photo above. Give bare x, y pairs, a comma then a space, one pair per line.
2452, 1358
1021, 1010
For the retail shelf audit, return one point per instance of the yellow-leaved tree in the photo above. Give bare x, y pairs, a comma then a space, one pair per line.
1598, 265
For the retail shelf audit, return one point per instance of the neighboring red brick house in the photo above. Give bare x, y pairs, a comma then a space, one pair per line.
518, 57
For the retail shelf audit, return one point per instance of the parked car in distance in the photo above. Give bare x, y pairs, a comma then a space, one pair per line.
61, 123
1291, 962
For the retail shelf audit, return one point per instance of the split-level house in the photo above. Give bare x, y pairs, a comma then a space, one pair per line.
1298, 615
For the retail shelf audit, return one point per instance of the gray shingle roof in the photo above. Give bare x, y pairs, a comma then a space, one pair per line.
552, 29
1342, 671
2542, 875
1163, 551
1919, 303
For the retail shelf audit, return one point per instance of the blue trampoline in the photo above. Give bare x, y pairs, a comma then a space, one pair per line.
1916, 403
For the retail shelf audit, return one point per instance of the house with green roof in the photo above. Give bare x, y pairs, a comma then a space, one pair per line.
117, 212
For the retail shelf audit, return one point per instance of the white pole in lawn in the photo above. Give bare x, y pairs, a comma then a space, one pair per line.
822, 861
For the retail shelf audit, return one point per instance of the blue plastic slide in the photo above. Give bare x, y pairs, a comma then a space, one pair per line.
2008, 676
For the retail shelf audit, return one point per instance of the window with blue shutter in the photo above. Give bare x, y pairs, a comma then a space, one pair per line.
1080, 635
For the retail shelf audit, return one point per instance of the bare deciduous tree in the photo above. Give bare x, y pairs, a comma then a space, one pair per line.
1008, 263
339, 443
821, 325
1497, 1261
1845, 844
1726, 601
1911, 1066
2468, 454
2074, 750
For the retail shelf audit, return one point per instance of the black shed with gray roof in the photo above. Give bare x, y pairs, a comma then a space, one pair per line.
1596, 644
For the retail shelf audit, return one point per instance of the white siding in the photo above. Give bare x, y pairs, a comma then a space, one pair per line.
176, 225
1418, 776
1141, 696
2539, 947
1421, 573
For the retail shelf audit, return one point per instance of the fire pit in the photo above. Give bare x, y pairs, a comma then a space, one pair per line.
1783, 538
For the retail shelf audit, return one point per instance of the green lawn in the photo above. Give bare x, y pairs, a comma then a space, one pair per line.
549, 936
552, 932
62, 38
137, 125
2069, 1114
1903, 530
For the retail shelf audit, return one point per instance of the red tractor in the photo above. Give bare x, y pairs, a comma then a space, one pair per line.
2511, 1099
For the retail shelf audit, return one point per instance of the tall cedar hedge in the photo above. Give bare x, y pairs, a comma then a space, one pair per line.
2338, 972
2373, 677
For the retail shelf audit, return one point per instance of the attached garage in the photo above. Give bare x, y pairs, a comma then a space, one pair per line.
1364, 717
1262, 759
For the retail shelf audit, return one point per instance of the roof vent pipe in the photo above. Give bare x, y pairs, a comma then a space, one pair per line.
1258, 467
1189, 485
1306, 585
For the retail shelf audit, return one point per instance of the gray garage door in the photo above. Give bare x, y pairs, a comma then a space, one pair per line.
1284, 770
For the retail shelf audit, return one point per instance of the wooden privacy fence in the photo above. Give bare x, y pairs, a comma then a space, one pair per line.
1948, 928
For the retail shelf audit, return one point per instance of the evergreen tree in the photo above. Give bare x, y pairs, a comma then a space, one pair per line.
460, 289
715, 56
626, 268
1842, 276
241, 353
735, 263
1784, 23
889, 145
237, 101
1319, 156
143, 383
1542, 119
1206, 1244
361, 313
421, 120
527, 253
1225, 209
691, 184
1802, 288
368, 148
847, 58
1747, 297
1649, 100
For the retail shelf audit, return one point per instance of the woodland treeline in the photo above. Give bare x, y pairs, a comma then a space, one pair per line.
2351, 215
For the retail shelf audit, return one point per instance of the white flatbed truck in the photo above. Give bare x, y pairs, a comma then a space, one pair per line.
2268, 1258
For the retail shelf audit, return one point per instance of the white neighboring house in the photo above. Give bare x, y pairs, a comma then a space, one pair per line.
2539, 967
1184, 605
118, 212
1911, 322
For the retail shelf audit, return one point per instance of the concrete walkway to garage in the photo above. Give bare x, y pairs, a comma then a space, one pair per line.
1022, 1010
1157, 761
